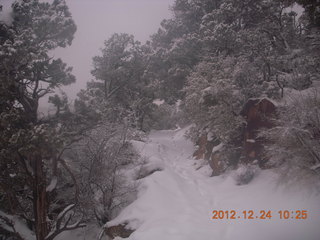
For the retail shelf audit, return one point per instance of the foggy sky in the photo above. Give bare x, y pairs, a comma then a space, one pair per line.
97, 20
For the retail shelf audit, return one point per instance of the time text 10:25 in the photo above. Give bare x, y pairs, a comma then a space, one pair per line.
262, 214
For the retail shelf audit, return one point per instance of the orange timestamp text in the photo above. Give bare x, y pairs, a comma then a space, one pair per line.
262, 214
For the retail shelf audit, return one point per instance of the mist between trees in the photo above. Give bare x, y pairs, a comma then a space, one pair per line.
76, 165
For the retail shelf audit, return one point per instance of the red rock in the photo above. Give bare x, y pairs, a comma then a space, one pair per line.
258, 114
202, 144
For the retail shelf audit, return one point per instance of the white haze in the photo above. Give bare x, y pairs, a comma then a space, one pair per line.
97, 20
5, 14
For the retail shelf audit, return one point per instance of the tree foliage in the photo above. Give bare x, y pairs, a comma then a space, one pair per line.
217, 55
32, 144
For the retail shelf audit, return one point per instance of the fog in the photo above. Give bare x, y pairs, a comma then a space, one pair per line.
97, 20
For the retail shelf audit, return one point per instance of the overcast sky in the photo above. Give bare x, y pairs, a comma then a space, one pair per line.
97, 20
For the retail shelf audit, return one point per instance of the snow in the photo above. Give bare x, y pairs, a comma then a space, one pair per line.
65, 210
158, 102
292, 96
298, 9
19, 226
210, 136
177, 202
52, 184
217, 148
274, 102
315, 167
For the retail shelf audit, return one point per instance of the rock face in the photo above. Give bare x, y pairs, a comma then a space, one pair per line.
202, 146
216, 163
258, 114
208, 149
118, 231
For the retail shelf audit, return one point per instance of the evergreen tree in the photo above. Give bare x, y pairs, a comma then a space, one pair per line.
119, 89
32, 144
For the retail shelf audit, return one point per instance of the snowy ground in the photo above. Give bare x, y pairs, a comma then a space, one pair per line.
177, 202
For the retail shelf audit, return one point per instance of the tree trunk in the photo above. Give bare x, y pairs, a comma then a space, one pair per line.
39, 198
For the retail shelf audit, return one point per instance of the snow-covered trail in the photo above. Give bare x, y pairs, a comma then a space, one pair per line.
177, 202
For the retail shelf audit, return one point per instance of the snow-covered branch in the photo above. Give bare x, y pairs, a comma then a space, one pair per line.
7, 224
63, 222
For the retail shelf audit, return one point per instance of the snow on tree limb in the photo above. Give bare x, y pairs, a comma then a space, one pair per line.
52, 184
61, 226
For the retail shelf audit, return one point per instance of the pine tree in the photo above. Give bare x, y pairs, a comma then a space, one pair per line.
32, 144
119, 90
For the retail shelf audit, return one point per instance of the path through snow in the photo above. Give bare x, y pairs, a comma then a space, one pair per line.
177, 202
